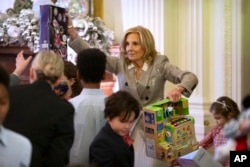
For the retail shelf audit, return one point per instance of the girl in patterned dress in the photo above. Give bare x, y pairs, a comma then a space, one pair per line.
223, 110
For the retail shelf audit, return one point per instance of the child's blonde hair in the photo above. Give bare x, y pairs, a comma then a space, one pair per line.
48, 66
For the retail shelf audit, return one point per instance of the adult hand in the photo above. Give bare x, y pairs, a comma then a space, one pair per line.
175, 94
70, 22
71, 30
21, 63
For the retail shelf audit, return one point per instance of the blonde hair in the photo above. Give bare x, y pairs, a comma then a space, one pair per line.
147, 42
48, 66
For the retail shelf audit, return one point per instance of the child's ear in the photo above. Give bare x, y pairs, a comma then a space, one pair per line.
108, 119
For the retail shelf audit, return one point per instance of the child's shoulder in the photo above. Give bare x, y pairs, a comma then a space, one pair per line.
214, 130
17, 138
102, 139
106, 136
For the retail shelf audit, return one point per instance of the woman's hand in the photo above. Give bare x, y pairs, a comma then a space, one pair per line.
71, 30
175, 93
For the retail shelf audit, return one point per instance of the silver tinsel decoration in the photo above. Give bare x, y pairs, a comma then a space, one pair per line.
20, 31
93, 30
24, 28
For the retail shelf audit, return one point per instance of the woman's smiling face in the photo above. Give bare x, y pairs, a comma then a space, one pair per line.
134, 48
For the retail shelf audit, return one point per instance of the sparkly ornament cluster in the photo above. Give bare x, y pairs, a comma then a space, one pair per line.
91, 29
95, 32
20, 30
23, 29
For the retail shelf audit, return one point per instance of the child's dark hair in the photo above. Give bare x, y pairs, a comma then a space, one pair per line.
246, 102
4, 77
225, 106
91, 64
122, 104
70, 71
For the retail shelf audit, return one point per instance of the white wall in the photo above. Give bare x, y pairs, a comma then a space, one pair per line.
120, 15
6, 4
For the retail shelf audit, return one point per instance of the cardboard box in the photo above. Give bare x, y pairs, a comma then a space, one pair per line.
180, 108
162, 151
154, 123
53, 29
168, 134
180, 130
198, 158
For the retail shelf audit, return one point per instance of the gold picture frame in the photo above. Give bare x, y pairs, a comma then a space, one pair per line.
96, 8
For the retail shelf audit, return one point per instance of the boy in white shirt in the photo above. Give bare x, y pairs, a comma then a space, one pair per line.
89, 104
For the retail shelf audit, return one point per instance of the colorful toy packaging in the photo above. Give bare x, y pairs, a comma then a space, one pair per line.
169, 130
198, 158
53, 29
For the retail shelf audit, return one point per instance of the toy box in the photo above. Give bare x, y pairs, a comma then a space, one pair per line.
180, 108
53, 29
198, 158
169, 130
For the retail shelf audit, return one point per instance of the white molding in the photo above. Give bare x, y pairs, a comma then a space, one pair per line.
228, 47
190, 40
148, 13
217, 50
236, 51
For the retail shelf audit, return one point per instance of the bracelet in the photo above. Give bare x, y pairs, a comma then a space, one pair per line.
71, 26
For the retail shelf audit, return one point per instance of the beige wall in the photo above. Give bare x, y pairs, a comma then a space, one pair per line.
112, 16
245, 47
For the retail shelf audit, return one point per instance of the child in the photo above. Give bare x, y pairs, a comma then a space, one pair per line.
237, 133
70, 72
246, 102
89, 104
112, 146
10, 141
223, 109
69, 85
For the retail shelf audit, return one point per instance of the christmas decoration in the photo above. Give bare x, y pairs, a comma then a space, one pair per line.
22, 29
22, 4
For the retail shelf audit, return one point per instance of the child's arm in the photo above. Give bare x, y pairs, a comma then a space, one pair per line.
207, 141
100, 155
